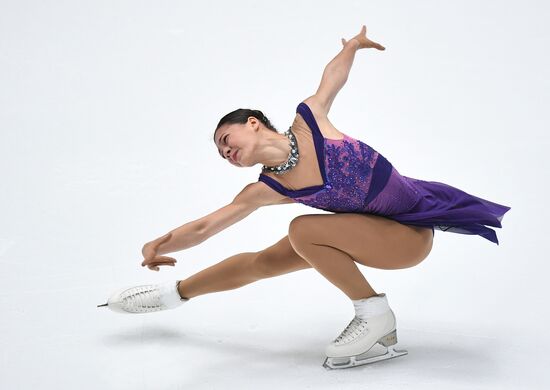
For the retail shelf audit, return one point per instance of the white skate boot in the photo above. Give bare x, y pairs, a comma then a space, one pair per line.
146, 298
374, 323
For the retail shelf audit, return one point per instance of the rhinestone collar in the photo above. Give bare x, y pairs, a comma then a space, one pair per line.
292, 159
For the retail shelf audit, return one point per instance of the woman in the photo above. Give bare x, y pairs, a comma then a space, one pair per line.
379, 218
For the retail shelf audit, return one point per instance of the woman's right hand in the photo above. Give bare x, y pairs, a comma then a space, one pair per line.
151, 259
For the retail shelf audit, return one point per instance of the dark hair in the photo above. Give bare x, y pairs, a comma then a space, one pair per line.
241, 116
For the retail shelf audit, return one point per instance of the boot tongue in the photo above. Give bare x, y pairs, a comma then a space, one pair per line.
371, 307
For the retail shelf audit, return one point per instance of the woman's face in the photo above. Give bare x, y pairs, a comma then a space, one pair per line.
235, 142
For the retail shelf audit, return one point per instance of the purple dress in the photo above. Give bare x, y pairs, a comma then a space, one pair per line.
358, 179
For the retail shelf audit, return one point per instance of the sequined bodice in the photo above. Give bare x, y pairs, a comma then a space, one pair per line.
353, 173
358, 179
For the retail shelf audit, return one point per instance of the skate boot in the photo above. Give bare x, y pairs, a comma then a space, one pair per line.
146, 298
369, 337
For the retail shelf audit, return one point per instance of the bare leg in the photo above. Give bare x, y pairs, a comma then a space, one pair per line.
333, 243
330, 243
335, 265
244, 268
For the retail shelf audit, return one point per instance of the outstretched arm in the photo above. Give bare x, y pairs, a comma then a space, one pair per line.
250, 198
337, 70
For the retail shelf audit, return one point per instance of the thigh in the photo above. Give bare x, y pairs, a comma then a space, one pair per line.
371, 240
280, 258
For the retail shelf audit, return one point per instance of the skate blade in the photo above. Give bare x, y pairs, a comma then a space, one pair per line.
105, 304
362, 359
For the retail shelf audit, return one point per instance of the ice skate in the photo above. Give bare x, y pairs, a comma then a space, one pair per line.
369, 337
146, 298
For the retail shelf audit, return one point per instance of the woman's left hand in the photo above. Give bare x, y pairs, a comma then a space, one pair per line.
364, 42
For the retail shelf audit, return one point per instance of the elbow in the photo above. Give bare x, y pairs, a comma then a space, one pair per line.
201, 232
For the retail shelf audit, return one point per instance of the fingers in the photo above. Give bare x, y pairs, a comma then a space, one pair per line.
155, 267
156, 263
165, 259
369, 42
159, 260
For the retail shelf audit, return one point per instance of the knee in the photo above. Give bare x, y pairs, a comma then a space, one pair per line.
297, 230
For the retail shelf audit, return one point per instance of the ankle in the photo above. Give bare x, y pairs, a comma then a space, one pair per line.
179, 291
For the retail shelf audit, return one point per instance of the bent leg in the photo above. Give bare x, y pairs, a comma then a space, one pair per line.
332, 243
244, 268
334, 264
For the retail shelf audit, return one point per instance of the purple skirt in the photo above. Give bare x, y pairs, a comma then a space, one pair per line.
439, 206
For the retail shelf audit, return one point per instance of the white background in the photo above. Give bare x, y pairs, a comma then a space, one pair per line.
107, 110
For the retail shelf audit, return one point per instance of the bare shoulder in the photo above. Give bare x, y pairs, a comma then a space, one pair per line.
316, 106
320, 113
259, 194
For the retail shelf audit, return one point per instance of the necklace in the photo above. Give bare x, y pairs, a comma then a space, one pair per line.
292, 159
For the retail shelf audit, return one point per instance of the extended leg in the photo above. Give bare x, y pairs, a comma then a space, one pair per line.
231, 273
244, 268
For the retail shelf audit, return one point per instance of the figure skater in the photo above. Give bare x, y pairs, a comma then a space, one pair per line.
378, 217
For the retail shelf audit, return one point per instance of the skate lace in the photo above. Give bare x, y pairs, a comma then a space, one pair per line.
352, 331
142, 299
